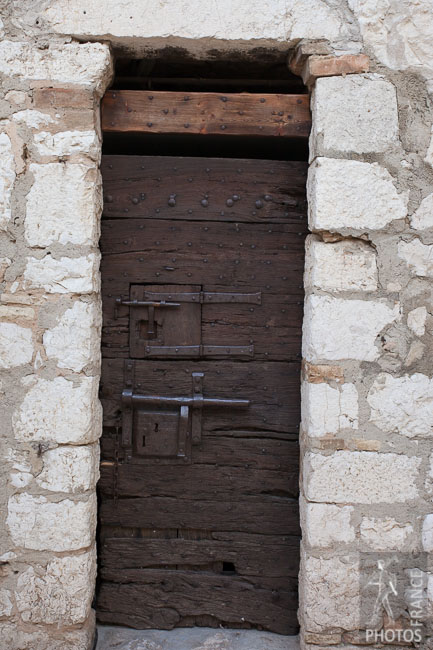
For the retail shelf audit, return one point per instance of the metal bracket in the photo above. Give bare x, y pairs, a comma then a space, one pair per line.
187, 351
205, 297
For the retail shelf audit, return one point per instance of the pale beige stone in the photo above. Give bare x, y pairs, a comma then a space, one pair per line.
360, 477
334, 581
59, 594
7, 179
75, 341
21, 467
60, 410
40, 637
64, 275
427, 534
63, 205
422, 219
38, 524
68, 143
336, 329
357, 114
16, 97
5, 263
84, 64
418, 257
416, 320
70, 469
429, 154
16, 312
386, 534
326, 410
345, 265
347, 195
326, 524
209, 24
16, 345
416, 352
33, 119
5, 602
402, 405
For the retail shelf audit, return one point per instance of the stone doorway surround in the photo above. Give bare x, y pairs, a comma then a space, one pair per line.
367, 477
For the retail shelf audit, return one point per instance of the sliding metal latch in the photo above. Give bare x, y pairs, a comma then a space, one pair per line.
189, 409
150, 304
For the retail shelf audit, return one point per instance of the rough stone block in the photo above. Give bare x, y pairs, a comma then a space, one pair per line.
345, 265
16, 345
59, 410
360, 477
334, 581
337, 329
60, 593
75, 341
385, 534
356, 114
326, 410
7, 179
16, 312
63, 205
402, 405
427, 534
5, 602
352, 196
38, 637
68, 143
418, 257
422, 219
326, 525
416, 320
38, 524
83, 64
70, 469
64, 275
32, 119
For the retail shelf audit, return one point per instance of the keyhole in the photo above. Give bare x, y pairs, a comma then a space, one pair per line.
144, 441
156, 427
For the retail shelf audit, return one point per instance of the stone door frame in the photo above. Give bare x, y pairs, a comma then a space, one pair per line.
356, 207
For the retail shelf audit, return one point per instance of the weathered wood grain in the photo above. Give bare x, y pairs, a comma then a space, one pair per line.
257, 114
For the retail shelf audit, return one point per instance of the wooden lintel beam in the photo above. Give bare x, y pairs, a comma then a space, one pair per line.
258, 114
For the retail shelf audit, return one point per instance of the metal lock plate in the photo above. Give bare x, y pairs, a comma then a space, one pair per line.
156, 434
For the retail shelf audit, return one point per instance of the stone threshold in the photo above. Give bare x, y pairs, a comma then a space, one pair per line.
195, 638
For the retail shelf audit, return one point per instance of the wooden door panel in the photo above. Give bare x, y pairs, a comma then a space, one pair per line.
201, 530
141, 186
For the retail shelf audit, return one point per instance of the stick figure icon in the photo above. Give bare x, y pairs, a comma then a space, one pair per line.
386, 582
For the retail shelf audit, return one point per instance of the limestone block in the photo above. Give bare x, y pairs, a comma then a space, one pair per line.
427, 534
59, 410
5, 263
402, 405
33, 119
385, 534
63, 205
68, 143
209, 24
70, 469
38, 637
422, 219
398, 32
360, 477
344, 329
416, 320
16, 345
345, 265
334, 581
75, 341
347, 195
326, 524
59, 593
16, 97
38, 524
7, 179
64, 275
429, 154
15, 312
84, 64
326, 410
356, 114
418, 257
21, 473
5, 602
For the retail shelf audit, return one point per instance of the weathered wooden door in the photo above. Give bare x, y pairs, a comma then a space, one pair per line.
202, 291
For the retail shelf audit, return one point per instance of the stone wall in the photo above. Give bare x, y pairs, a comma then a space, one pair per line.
367, 392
